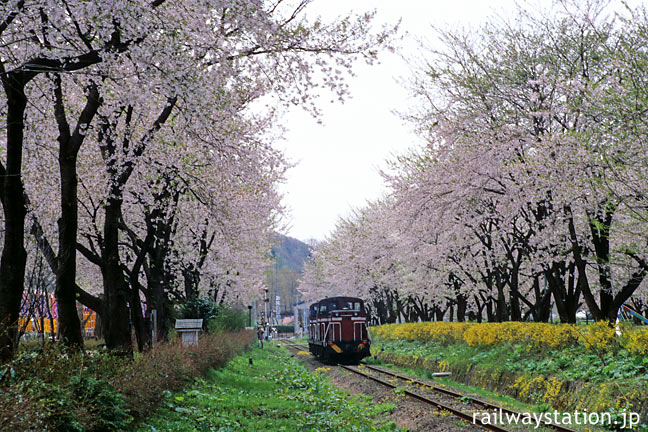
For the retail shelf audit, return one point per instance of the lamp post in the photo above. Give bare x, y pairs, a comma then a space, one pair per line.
250, 314
265, 305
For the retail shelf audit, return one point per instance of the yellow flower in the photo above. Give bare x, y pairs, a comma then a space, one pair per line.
598, 337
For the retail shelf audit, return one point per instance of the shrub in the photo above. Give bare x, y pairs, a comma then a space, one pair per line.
204, 308
50, 389
62, 391
636, 340
229, 319
285, 328
599, 338
215, 317
444, 332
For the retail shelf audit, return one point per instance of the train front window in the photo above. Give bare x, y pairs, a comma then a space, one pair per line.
348, 305
357, 306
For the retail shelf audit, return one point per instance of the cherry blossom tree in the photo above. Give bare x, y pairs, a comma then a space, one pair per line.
95, 61
529, 191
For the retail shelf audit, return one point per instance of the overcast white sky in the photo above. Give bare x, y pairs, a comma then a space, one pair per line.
338, 161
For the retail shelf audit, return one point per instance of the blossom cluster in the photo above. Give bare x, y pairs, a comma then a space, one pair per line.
530, 191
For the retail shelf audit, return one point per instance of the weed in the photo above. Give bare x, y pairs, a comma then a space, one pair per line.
276, 392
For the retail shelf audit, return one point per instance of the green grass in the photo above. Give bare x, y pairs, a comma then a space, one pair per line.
567, 364
275, 393
499, 399
611, 383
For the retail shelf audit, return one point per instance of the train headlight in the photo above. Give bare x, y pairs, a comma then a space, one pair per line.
337, 314
355, 313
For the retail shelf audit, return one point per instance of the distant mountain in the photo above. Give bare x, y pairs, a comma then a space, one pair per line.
289, 255
290, 252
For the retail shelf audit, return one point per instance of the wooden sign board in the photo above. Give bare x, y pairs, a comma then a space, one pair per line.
188, 329
189, 324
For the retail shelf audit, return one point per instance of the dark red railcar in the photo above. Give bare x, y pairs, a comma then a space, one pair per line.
337, 330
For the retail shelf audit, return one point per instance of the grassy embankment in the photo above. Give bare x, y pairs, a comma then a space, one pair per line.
48, 389
559, 367
274, 393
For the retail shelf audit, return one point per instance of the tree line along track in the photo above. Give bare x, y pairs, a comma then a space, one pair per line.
448, 400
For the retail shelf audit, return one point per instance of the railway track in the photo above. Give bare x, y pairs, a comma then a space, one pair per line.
460, 405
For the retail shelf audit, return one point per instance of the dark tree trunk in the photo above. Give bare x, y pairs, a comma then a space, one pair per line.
516, 312
69, 146
480, 309
157, 281
116, 290
420, 310
450, 309
502, 306
158, 278
69, 324
609, 304
462, 304
490, 313
142, 329
542, 309
191, 280
14, 257
565, 290
438, 313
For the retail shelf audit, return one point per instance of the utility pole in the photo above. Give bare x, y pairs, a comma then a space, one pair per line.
265, 305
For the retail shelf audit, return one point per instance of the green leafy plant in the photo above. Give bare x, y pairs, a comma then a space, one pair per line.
275, 392
215, 317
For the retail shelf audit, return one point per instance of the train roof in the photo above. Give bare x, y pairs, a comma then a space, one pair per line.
337, 298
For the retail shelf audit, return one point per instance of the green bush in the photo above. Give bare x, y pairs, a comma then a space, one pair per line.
72, 392
49, 389
285, 328
204, 308
228, 319
215, 317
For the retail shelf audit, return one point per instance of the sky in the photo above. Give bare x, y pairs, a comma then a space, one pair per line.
338, 162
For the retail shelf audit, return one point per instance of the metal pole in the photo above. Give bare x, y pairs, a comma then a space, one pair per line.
265, 305
276, 288
250, 315
153, 327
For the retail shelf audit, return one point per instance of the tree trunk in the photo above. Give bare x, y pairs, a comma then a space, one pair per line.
566, 293
69, 146
116, 290
191, 280
516, 313
69, 324
142, 330
462, 304
476, 316
158, 278
14, 257
501, 306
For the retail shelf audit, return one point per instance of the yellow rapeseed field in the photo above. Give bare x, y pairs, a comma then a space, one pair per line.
598, 337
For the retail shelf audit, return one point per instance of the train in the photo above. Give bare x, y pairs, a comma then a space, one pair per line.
337, 330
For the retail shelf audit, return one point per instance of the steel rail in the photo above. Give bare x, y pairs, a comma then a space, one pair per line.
458, 413
477, 401
461, 414
485, 404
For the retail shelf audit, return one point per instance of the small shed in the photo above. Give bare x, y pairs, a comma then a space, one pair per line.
188, 330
